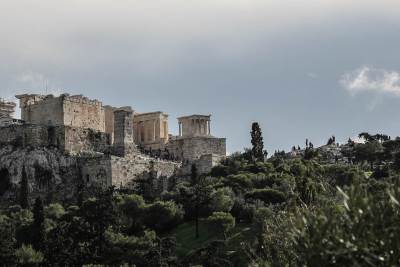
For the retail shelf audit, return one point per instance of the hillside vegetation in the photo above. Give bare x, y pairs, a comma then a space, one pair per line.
305, 208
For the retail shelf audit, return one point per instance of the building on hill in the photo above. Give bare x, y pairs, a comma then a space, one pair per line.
195, 139
7, 111
73, 136
65, 110
151, 129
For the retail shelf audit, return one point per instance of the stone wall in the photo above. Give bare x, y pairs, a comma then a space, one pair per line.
7, 109
96, 170
82, 112
207, 162
123, 132
191, 149
151, 129
56, 176
109, 121
126, 170
42, 110
65, 138
74, 111
24, 135
83, 139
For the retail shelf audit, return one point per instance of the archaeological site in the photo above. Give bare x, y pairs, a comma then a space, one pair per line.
62, 142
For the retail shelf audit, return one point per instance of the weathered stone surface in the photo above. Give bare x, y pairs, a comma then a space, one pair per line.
151, 129
50, 173
192, 148
65, 141
74, 111
55, 176
134, 166
65, 138
7, 109
195, 125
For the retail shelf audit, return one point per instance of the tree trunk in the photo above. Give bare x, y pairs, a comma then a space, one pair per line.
197, 221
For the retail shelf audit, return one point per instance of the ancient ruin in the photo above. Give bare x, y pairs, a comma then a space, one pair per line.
62, 141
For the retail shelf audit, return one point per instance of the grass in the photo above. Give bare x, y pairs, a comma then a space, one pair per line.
186, 239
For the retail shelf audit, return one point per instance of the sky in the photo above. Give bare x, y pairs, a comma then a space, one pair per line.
301, 68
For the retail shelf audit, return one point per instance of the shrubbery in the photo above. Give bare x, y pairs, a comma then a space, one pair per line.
269, 196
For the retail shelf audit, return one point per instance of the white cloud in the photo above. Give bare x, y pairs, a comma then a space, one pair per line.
312, 75
370, 79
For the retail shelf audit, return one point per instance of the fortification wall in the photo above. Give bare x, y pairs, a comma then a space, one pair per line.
81, 112
70, 139
83, 139
126, 170
24, 135
96, 170
109, 121
191, 149
48, 111
207, 162
74, 111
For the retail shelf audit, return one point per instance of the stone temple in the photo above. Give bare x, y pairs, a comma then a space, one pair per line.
63, 140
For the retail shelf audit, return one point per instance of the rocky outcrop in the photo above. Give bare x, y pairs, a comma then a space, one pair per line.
50, 173
56, 176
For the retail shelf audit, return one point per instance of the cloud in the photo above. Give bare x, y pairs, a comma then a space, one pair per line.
312, 75
370, 79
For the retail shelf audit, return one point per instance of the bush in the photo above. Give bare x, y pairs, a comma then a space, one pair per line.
219, 171
340, 175
260, 167
54, 211
261, 181
363, 231
222, 199
239, 182
242, 211
270, 196
162, 216
222, 221
26, 255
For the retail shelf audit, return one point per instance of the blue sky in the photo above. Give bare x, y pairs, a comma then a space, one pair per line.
303, 69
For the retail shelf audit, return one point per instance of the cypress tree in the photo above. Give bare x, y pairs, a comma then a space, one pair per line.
24, 190
257, 142
194, 176
38, 229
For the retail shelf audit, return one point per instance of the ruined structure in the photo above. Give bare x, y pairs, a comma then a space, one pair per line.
7, 110
151, 129
67, 140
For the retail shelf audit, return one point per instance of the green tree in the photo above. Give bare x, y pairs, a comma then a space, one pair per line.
270, 196
38, 227
162, 216
28, 256
257, 142
200, 195
145, 184
24, 190
133, 208
222, 199
98, 214
7, 241
223, 221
